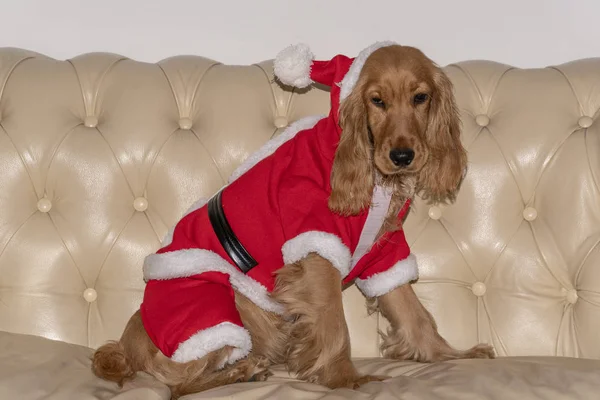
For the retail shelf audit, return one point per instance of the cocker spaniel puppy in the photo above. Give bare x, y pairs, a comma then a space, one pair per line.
254, 276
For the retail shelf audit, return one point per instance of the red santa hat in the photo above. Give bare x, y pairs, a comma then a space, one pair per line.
296, 66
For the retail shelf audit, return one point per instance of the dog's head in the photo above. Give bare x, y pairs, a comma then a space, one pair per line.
401, 121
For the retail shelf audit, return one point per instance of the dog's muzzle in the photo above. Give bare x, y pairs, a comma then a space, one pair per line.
231, 244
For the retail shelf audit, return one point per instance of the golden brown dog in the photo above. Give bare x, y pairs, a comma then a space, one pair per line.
401, 100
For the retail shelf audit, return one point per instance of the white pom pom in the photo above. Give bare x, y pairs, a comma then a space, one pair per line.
292, 65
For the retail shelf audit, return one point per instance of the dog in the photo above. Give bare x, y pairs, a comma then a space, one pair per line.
254, 276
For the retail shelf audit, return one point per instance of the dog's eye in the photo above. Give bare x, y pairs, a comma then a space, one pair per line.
378, 102
420, 98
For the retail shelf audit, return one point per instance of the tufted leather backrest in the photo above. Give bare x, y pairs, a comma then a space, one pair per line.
100, 155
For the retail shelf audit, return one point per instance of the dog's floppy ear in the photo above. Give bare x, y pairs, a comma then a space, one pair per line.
352, 179
440, 178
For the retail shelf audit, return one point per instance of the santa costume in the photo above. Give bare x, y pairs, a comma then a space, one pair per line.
274, 212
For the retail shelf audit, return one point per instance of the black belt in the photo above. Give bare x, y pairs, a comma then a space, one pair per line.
229, 241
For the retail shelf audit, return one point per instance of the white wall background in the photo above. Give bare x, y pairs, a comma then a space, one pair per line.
524, 33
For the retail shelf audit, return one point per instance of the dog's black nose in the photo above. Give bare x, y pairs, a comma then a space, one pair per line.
402, 157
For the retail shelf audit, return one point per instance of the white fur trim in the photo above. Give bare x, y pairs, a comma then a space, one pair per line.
292, 65
269, 148
189, 262
327, 245
401, 273
214, 338
168, 239
353, 73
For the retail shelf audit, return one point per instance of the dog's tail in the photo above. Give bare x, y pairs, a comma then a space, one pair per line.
111, 363
119, 361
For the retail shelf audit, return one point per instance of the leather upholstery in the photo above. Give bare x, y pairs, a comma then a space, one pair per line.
34, 368
100, 155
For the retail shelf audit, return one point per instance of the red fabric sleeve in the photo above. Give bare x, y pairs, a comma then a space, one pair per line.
387, 251
310, 227
388, 264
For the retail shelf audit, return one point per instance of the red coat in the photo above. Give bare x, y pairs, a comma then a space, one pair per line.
278, 210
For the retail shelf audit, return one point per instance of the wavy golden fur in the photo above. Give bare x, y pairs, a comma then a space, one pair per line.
401, 126
402, 100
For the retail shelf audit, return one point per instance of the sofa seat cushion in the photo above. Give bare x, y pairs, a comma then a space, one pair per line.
34, 368
522, 378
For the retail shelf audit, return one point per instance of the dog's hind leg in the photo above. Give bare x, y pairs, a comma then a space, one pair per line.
188, 335
135, 352
201, 375
267, 330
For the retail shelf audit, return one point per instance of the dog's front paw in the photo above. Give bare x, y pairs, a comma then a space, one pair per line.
261, 376
480, 351
361, 380
251, 369
354, 382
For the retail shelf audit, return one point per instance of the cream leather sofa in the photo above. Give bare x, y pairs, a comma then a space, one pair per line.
100, 155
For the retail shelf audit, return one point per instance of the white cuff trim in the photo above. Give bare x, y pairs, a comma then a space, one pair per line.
327, 245
189, 262
214, 338
401, 273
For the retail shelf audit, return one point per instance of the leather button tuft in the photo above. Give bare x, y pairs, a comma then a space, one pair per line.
482, 120
572, 296
44, 205
435, 212
90, 295
140, 204
90, 121
530, 213
585, 122
185, 123
280, 122
478, 289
